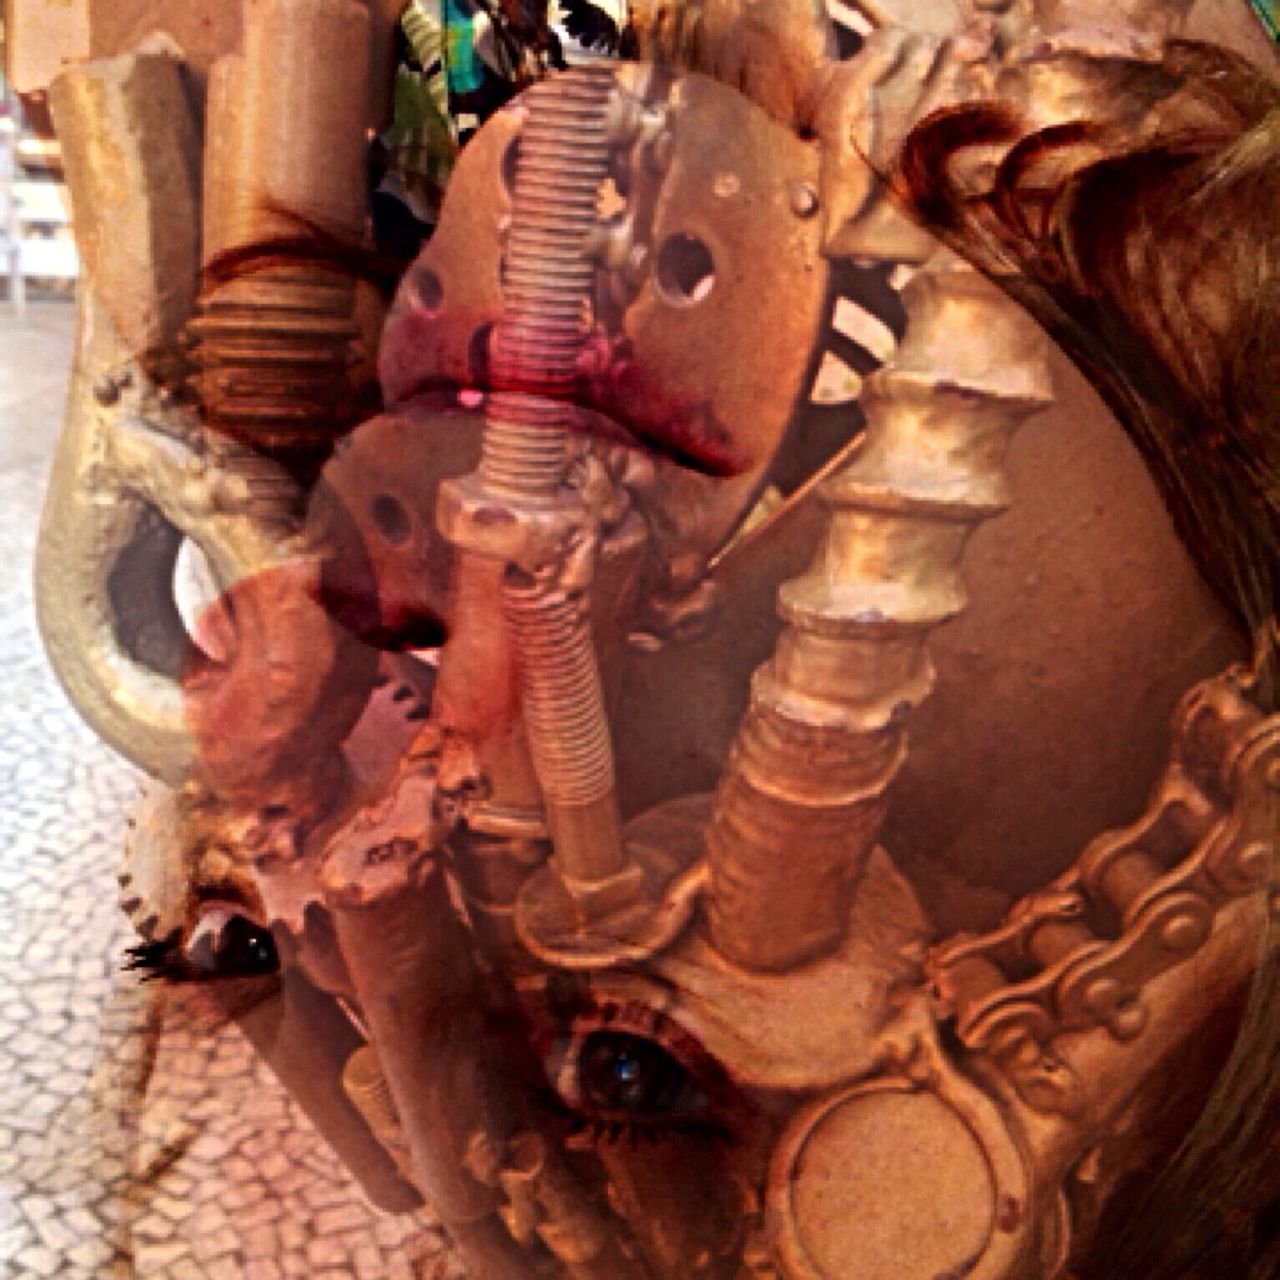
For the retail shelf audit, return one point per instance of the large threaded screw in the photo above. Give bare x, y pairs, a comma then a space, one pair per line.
562, 161
568, 733
547, 282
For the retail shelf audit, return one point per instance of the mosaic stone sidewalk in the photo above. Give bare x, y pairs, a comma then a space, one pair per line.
140, 1138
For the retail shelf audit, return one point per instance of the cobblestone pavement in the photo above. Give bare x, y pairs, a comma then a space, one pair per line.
139, 1135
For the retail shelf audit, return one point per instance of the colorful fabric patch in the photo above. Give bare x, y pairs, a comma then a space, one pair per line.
1269, 12
462, 63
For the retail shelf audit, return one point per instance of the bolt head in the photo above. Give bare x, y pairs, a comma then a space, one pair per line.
1184, 933
1129, 1019
1102, 995
804, 199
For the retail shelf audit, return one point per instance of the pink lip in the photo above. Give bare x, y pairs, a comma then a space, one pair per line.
423, 359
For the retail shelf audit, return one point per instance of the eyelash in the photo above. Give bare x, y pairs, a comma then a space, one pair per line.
161, 960
170, 959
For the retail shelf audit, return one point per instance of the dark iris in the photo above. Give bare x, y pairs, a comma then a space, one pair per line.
618, 1072
239, 949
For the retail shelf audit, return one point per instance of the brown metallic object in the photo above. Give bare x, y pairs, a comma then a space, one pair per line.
274, 346
422, 998
1205, 841
804, 795
562, 160
409, 964
305, 1038
366, 1086
132, 476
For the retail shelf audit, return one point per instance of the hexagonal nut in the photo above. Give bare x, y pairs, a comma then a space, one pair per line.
598, 899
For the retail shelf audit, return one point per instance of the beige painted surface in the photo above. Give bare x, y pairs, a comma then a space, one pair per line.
40, 36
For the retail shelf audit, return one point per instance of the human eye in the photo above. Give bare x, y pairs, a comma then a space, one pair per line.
223, 942
629, 1071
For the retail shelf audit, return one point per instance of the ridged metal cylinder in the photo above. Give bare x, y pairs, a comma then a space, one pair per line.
567, 728
562, 696
284, 158
805, 792
548, 277
365, 1084
423, 1001
563, 159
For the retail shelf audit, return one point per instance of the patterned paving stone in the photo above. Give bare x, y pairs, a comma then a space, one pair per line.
140, 1139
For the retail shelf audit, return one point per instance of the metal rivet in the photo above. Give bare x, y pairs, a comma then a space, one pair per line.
1101, 996
1129, 1019
804, 200
1183, 933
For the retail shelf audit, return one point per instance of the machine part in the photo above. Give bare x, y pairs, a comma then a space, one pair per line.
519, 486
131, 477
582, 810
387, 576
854, 1170
390, 761
305, 1038
181, 852
803, 797
568, 733
130, 150
561, 162
367, 1087
545, 1202
810, 1029
274, 342
1079, 953
714, 244
424, 1005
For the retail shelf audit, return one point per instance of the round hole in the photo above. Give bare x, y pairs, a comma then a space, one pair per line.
392, 519
426, 291
685, 270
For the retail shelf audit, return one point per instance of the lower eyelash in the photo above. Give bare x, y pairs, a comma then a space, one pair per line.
589, 1132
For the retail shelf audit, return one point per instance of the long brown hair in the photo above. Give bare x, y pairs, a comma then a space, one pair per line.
1147, 243
1154, 261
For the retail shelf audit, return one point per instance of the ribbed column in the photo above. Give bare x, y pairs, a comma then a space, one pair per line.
805, 791
548, 279
284, 156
